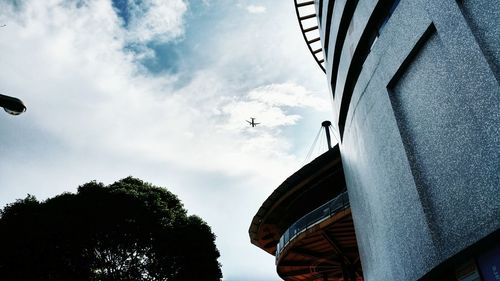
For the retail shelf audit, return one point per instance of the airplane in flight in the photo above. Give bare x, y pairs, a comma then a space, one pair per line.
252, 122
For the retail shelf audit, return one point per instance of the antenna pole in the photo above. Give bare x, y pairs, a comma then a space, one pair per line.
326, 125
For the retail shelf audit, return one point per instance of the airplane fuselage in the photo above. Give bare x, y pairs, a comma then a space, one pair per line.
252, 123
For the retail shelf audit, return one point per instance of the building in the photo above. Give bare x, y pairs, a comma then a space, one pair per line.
415, 85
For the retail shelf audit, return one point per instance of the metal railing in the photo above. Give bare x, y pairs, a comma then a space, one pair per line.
319, 214
310, 30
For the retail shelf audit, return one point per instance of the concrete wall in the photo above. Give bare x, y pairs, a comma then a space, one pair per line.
421, 135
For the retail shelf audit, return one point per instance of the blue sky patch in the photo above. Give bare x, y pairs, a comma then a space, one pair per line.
122, 10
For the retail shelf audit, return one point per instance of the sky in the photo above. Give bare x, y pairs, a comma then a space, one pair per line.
160, 90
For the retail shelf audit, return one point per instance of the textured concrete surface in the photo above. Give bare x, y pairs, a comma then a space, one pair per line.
334, 29
422, 134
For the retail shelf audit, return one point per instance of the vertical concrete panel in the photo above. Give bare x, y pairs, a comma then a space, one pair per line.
389, 219
483, 17
454, 157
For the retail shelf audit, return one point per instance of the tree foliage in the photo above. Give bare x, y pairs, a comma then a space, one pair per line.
129, 230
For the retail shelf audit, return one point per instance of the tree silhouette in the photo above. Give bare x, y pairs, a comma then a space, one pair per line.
129, 230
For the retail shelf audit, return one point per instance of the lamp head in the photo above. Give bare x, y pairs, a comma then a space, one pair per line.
326, 123
12, 105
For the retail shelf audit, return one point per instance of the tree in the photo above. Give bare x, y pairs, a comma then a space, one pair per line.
129, 230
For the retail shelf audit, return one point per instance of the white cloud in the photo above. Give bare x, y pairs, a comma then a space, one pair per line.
156, 19
290, 95
104, 102
256, 9
268, 116
103, 117
271, 105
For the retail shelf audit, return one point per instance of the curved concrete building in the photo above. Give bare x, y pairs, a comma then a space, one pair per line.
416, 93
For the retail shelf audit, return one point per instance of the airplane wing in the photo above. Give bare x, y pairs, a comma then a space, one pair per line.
249, 122
256, 123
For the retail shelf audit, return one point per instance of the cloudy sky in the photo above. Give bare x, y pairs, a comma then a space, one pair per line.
160, 90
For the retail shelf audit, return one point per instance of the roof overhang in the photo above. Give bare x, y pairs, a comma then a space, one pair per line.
308, 188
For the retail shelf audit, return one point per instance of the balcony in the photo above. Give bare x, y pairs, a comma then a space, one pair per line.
307, 224
311, 186
312, 219
321, 245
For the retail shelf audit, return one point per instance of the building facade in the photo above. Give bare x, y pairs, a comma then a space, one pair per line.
415, 85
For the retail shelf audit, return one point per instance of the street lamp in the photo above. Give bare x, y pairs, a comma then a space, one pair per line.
12, 105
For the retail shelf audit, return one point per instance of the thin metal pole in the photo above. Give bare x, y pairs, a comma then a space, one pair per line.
326, 125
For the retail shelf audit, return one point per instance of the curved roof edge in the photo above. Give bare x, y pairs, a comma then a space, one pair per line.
317, 53
307, 173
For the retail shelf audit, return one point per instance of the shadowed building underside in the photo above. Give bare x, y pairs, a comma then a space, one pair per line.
326, 252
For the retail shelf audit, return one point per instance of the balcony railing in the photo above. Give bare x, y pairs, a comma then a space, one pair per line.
320, 214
